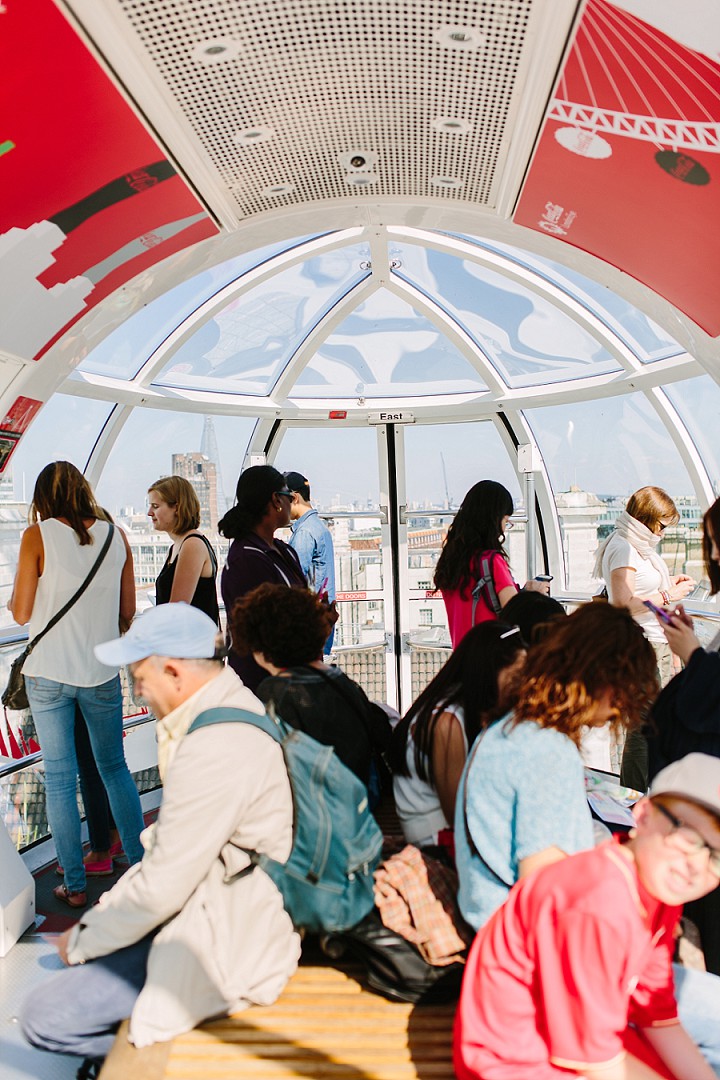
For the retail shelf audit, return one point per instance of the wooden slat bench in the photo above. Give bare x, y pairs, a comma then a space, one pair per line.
324, 1026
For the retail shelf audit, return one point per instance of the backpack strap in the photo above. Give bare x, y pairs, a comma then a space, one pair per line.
226, 715
485, 585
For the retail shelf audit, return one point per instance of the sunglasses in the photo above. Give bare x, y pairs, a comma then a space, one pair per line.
287, 492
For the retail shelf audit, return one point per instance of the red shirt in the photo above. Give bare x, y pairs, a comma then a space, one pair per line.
579, 950
459, 604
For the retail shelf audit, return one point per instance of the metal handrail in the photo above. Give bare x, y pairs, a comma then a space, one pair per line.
693, 607
18, 764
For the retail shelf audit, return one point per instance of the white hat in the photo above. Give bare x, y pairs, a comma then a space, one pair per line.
695, 777
176, 630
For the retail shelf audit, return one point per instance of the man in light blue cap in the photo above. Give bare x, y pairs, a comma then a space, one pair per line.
192, 930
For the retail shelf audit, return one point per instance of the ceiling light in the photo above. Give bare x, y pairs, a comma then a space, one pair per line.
445, 182
215, 51
451, 125
253, 135
278, 189
459, 37
361, 179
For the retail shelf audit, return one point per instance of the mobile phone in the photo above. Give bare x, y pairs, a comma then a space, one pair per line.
663, 615
543, 577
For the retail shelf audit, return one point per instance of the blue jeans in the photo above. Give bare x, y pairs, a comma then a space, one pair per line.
80, 1009
698, 998
53, 708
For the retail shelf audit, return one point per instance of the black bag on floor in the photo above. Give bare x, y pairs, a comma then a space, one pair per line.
395, 967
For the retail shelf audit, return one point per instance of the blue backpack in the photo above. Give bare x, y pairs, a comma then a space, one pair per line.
327, 882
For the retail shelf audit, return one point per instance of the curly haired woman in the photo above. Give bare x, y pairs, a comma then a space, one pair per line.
284, 630
521, 801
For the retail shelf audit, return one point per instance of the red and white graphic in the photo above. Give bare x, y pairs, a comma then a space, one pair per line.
89, 200
629, 151
21, 412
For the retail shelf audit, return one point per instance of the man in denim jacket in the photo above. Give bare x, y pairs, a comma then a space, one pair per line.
312, 542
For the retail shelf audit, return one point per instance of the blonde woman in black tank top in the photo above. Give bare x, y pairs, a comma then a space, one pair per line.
190, 569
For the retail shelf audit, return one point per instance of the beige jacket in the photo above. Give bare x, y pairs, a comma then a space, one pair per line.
225, 940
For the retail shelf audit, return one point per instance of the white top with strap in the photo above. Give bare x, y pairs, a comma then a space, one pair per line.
417, 802
66, 653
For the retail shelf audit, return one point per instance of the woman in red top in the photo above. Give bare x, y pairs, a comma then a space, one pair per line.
478, 530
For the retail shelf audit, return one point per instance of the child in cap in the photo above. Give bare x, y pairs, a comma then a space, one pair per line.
572, 976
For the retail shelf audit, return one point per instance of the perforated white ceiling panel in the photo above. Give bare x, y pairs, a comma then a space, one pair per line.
296, 101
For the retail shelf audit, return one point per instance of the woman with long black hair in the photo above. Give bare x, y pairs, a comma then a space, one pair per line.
474, 552
431, 743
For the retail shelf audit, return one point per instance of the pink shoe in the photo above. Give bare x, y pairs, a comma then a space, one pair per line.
101, 868
116, 851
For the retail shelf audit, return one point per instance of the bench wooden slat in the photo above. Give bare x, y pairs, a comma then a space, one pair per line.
325, 1026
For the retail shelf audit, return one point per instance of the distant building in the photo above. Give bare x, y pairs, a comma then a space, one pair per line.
202, 474
209, 448
579, 513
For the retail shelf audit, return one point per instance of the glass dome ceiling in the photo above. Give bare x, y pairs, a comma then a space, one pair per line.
387, 314
447, 326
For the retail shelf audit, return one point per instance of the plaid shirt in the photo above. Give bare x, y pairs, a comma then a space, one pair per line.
416, 897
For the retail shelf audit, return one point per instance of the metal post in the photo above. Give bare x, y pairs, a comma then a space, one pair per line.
530, 538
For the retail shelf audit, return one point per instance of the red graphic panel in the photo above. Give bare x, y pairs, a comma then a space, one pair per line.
21, 412
628, 163
89, 199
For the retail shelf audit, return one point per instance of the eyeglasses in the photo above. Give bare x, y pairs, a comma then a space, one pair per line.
688, 840
509, 525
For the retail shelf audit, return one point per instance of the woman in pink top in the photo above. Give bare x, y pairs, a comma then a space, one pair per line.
476, 536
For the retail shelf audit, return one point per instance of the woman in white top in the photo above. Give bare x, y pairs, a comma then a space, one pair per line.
57, 552
431, 743
634, 571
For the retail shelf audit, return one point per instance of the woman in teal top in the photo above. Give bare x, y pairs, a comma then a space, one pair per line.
521, 802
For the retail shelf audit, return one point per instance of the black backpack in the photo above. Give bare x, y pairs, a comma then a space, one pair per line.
485, 585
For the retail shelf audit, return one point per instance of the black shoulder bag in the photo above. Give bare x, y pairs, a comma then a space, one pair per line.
15, 694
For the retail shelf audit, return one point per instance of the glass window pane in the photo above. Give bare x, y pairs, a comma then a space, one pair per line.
66, 429
385, 348
442, 463
527, 338
342, 469
647, 340
123, 352
597, 453
698, 403
144, 452
246, 346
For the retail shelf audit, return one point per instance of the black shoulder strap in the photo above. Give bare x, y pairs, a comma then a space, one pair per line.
486, 583
471, 843
76, 596
208, 545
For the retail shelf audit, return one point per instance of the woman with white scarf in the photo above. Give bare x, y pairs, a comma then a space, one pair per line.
634, 571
